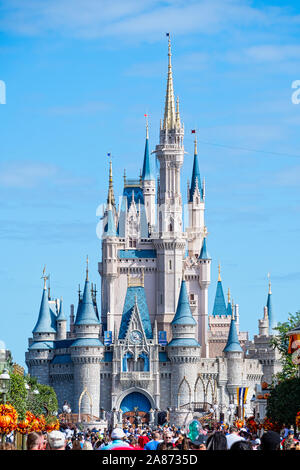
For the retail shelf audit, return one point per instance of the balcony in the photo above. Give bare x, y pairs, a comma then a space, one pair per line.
135, 376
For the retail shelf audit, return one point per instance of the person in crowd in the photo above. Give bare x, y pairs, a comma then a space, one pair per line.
241, 445
167, 443
154, 443
217, 441
233, 436
87, 446
270, 441
117, 437
76, 445
57, 440
289, 441
143, 439
35, 441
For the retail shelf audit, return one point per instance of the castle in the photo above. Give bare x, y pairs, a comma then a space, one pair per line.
154, 345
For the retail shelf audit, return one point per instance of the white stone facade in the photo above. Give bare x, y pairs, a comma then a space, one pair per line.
183, 378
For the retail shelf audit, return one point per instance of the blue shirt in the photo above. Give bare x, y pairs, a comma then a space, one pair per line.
151, 445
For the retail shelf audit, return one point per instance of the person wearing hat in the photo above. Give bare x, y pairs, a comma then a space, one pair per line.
117, 437
57, 440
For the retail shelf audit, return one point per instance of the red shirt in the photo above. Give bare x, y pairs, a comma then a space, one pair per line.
142, 440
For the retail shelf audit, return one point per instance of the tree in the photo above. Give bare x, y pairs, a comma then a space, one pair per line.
281, 342
284, 401
26, 400
17, 395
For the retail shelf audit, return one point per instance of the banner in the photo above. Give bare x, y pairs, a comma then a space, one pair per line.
162, 338
107, 338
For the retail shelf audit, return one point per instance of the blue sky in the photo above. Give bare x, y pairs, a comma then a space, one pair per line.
81, 74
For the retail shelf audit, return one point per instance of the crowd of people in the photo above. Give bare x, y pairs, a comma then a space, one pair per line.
165, 438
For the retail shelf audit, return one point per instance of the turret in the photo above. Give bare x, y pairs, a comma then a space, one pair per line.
204, 262
184, 352
148, 182
45, 328
196, 207
263, 325
61, 323
86, 323
219, 308
234, 356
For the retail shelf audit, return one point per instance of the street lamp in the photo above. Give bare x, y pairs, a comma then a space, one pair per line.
4, 384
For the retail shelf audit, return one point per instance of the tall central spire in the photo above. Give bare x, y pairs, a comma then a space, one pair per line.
170, 115
111, 196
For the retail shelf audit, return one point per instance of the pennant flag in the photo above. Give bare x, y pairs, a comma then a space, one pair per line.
168, 35
108, 154
193, 131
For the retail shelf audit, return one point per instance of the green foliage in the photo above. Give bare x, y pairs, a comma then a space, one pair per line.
281, 342
284, 401
26, 400
17, 394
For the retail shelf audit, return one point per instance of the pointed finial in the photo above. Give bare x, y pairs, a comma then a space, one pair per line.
110, 196
169, 116
45, 278
195, 146
87, 268
270, 292
124, 176
79, 291
232, 310
219, 268
147, 129
228, 295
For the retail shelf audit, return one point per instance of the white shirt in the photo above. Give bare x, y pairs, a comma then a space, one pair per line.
231, 438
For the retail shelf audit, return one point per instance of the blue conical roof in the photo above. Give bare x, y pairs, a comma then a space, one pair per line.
147, 173
86, 314
229, 309
219, 305
47, 320
183, 315
233, 344
110, 227
272, 322
195, 178
61, 315
204, 253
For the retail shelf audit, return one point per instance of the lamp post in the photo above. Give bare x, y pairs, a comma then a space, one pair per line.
4, 384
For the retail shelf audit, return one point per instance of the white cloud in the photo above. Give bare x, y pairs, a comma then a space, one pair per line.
104, 18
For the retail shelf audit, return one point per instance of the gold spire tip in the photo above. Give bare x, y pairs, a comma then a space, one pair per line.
219, 269
228, 295
87, 268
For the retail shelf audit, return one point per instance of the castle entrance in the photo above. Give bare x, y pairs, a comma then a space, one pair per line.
135, 407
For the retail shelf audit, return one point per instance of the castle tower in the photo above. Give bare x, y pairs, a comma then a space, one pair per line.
39, 352
108, 269
234, 358
184, 352
86, 353
204, 262
271, 317
196, 229
219, 308
61, 323
148, 181
170, 240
